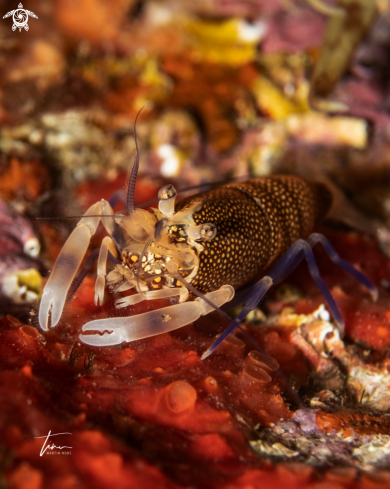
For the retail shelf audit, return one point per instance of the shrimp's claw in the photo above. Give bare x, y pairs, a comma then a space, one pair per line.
116, 330
108, 338
68, 262
48, 310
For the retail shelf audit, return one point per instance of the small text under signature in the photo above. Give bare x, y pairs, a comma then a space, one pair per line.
46, 445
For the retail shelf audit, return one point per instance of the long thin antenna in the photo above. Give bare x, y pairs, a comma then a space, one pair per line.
134, 171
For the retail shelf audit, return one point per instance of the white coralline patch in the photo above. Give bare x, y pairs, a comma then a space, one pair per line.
370, 386
303, 440
319, 340
322, 313
375, 451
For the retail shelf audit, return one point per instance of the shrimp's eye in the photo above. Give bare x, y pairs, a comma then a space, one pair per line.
208, 231
167, 192
167, 197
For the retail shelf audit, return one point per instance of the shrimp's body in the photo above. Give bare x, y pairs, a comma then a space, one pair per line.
196, 253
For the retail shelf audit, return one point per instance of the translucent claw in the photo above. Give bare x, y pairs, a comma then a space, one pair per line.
99, 290
142, 325
62, 275
69, 261
129, 300
131, 328
107, 245
50, 307
107, 339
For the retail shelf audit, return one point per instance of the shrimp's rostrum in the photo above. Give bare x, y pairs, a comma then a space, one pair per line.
196, 253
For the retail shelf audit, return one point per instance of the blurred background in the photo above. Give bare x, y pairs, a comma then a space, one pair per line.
229, 88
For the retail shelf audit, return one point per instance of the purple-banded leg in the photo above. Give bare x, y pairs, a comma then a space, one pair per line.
118, 196
288, 259
260, 289
315, 238
286, 264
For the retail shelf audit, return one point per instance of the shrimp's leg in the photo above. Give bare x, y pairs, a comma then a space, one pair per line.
285, 265
287, 261
84, 271
130, 300
118, 196
114, 331
315, 238
260, 289
278, 271
68, 262
107, 245
77, 281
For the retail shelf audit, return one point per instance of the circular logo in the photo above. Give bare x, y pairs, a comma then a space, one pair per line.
20, 19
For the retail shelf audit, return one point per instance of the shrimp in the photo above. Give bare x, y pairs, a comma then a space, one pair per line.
196, 253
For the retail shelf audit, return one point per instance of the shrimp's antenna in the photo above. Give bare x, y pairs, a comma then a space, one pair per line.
134, 171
